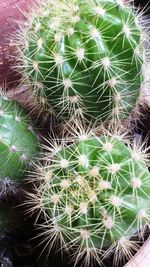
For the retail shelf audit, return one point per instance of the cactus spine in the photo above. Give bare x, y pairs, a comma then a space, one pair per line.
95, 196
84, 58
18, 143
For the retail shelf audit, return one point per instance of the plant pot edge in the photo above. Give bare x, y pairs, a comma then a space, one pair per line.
142, 257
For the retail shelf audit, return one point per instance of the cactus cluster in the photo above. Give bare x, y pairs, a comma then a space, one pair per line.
84, 58
83, 61
95, 195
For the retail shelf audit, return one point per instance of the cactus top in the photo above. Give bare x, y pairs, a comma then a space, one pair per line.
85, 57
95, 196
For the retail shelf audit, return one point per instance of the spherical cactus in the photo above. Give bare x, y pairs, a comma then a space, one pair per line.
95, 196
18, 143
84, 57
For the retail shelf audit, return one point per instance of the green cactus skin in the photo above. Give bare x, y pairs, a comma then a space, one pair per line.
95, 196
18, 143
84, 57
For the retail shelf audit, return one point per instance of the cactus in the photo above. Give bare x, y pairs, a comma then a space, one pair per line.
18, 142
84, 58
95, 197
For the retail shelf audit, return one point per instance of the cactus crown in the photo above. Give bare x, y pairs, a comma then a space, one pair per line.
94, 195
84, 57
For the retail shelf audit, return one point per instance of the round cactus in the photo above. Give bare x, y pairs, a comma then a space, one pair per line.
95, 196
84, 57
18, 143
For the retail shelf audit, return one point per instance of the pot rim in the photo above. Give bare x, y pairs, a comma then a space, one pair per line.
142, 257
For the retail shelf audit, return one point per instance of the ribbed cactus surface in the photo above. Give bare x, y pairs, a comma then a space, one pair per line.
95, 196
18, 143
84, 57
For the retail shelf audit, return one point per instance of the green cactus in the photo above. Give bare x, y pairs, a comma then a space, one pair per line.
18, 143
84, 57
95, 196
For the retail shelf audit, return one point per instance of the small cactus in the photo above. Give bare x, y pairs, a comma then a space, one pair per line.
84, 57
95, 197
18, 143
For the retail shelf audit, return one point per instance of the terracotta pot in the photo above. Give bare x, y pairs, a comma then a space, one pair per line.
10, 14
142, 257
